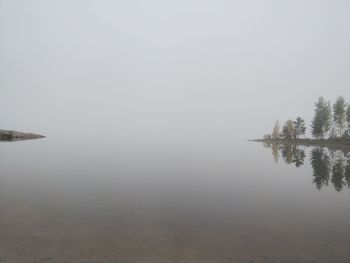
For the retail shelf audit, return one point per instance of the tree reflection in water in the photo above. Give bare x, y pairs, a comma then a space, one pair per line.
321, 164
327, 165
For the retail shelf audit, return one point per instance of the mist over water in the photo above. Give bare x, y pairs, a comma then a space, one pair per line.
104, 200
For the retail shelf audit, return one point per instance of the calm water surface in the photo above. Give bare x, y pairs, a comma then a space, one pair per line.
66, 200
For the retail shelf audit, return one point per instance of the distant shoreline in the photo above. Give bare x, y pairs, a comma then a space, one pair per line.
337, 142
10, 135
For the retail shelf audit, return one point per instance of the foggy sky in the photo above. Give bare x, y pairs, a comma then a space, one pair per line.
169, 68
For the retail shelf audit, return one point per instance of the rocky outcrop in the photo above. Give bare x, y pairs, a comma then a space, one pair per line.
8, 135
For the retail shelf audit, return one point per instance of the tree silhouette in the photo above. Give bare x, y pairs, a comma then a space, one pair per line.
299, 127
276, 131
339, 114
322, 118
288, 130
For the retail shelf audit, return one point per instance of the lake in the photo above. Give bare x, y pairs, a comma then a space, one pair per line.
107, 200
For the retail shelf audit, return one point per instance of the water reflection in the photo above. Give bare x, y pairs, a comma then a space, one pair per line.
328, 165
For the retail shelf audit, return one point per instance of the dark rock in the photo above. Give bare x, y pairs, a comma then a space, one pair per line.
8, 135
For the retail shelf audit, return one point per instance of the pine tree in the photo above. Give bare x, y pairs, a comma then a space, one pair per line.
339, 114
326, 117
322, 119
299, 127
348, 118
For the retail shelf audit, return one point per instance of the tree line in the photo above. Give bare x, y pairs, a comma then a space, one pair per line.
329, 121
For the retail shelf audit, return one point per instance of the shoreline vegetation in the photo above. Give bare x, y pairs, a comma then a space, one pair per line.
330, 127
336, 144
10, 135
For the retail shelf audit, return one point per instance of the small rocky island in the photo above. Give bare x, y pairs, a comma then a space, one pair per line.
9, 135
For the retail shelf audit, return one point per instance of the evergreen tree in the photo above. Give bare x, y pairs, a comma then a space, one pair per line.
322, 119
316, 126
299, 127
326, 117
339, 114
348, 118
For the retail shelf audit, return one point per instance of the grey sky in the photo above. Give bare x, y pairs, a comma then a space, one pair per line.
169, 68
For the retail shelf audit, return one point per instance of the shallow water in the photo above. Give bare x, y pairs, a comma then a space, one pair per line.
65, 200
